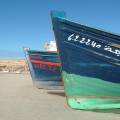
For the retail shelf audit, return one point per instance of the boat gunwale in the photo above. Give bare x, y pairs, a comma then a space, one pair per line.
97, 30
42, 51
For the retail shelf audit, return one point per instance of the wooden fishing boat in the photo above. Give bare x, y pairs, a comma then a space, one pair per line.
45, 70
90, 60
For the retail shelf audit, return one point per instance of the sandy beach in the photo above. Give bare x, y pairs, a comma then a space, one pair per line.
19, 100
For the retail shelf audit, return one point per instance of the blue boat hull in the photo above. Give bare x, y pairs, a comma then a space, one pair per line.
90, 64
45, 69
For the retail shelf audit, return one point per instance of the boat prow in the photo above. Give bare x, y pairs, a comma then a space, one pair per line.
90, 61
45, 69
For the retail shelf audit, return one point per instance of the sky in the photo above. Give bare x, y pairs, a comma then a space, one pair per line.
27, 23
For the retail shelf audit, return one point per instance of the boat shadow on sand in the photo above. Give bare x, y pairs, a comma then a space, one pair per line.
62, 94
115, 111
56, 92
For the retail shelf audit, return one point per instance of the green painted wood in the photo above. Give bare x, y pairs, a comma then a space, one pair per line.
90, 93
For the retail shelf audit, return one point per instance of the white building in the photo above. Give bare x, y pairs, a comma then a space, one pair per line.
51, 46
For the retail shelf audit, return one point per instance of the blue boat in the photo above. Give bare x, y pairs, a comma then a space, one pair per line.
45, 69
90, 60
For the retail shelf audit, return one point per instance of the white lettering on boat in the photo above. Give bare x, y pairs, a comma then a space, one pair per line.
83, 40
89, 42
116, 51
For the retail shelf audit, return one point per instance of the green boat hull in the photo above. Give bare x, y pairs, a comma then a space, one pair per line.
83, 94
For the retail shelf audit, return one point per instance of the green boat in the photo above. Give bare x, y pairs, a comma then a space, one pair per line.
90, 61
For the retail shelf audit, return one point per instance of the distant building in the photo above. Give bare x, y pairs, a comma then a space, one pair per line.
51, 46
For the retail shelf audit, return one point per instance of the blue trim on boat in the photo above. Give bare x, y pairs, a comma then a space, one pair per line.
44, 67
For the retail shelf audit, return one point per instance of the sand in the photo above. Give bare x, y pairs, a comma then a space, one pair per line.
19, 100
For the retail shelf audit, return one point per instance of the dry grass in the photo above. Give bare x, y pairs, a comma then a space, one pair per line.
13, 66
